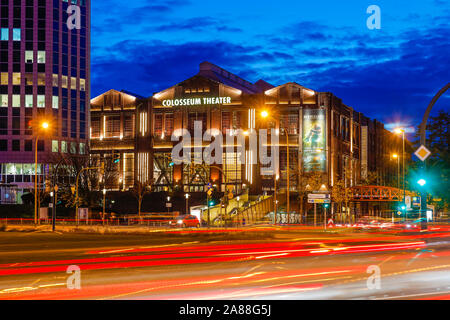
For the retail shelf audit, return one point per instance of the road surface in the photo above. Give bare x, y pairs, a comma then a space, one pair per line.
291, 263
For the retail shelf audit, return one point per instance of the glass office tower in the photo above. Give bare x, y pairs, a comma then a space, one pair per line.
45, 72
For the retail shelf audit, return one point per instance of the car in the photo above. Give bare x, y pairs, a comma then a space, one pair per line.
185, 221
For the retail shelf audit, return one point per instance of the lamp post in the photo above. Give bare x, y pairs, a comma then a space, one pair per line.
402, 132
45, 126
265, 114
396, 156
104, 200
187, 202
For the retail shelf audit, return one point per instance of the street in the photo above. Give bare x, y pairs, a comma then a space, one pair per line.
290, 263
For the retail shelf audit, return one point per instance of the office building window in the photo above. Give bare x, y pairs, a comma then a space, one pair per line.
29, 101
55, 80
28, 145
5, 34
82, 85
16, 78
41, 57
64, 81
28, 79
3, 145
41, 101
16, 100
16, 145
3, 100
4, 78
55, 102
28, 56
16, 34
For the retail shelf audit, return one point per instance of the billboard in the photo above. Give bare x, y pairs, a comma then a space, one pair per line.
314, 140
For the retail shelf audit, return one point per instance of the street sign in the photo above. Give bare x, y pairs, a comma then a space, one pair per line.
408, 202
319, 201
230, 196
318, 196
422, 153
209, 192
168, 205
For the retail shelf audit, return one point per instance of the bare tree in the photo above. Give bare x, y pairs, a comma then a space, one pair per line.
139, 191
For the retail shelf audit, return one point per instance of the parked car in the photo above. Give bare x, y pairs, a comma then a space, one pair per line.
185, 221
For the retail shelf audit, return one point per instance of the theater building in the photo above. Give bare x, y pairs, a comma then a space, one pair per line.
325, 135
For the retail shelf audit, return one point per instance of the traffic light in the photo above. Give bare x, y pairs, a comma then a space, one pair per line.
171, 164
326, 205
116, 157
211, 203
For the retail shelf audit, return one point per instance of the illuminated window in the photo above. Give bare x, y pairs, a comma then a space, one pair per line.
28, 56
55, 147
112, 127
128, 126
95, 127
158, 124
4, 100
41, 101
41, 79
5, 34
73, 148
55, 102
73, 83
55, 80
4, 78
82, 85
41, 57
16, 34
16, 100
63, 146
16, 78
168, 124
232, 166
29, 79
82, 148
29, 101
64, 81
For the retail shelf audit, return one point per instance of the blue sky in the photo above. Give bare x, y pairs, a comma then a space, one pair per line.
389, 74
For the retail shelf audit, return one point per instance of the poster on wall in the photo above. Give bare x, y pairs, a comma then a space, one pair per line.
314, 140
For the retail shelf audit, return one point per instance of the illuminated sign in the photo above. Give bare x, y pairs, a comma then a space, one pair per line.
314, 140
196, 101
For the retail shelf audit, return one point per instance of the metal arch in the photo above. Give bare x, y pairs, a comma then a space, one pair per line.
423, 125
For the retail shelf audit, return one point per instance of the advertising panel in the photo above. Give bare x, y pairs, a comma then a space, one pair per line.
314, 140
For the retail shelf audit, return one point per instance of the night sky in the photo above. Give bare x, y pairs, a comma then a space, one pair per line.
389, 74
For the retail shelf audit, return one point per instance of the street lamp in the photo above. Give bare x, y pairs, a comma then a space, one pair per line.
402, 132
44, 125
265, 114
187, 202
